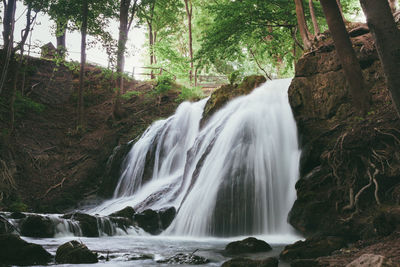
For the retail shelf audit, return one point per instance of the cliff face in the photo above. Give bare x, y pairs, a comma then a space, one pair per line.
350, 165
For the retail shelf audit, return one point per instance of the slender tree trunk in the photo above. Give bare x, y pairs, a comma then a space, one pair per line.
301, 21
393, 5
313, 17
122, 39
387, 41
341, 10
154, 43
151, 48
61, 33
347, 56
189, 12
8, 38
83, 62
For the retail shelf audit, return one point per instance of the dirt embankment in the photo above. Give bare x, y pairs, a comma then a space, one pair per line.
54, 165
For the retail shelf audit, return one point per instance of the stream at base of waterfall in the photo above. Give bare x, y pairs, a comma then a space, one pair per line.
233, 177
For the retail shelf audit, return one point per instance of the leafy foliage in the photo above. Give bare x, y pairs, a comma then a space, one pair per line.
23, 105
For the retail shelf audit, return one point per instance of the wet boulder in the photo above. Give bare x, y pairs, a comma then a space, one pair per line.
88, 223
167, 215
5, 226
17, 215
244, 262
149, 221
127, 212
248, 245
75, 252
154, 222
15, 251
312, 248
184, 258
37, 226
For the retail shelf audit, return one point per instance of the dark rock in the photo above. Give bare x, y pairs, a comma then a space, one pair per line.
244, 262
88, 223
312, 248
248, 245
37, 226
371, 260
5, 226
16, 251
121, 222
387, 222
141, 257
17, 215
149, 220
167, 215
75, 252
127, 212
112, 172
182, 258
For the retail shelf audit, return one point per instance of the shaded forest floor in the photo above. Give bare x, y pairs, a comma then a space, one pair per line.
54, 165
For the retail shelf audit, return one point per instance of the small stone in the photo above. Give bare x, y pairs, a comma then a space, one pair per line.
244, 262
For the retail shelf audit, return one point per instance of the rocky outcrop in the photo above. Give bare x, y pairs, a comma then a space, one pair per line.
343, 152
15, 251
244, 262
37, 226
371, 260
225, 93
5, 226
312, 248
75, 252
248, 245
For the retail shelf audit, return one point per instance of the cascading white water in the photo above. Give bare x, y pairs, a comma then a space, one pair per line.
234, 177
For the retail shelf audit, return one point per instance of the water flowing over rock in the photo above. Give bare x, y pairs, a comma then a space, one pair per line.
234, 176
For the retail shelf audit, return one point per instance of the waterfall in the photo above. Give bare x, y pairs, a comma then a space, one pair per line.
235, 176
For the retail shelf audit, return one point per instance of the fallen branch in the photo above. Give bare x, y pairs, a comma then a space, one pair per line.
54, 187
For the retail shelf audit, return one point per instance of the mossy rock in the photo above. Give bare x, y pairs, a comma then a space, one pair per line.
225, 93
75, 252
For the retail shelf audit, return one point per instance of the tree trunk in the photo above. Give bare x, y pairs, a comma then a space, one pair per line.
61, 32
347, 56
154, 42
387, 41
189, 12
340, 9
313, 17
301, 21
8, 38
151, 48
83, 62
122, 39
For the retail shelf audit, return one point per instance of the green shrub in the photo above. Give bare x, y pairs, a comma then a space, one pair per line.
165, 83
24, 104
190, 93
129, 94
18, 205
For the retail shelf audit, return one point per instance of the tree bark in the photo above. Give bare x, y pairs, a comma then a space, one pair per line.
347, 56
387, 41
313, 17
8, 38
83, 62
61, 33
189, 13
301, 21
